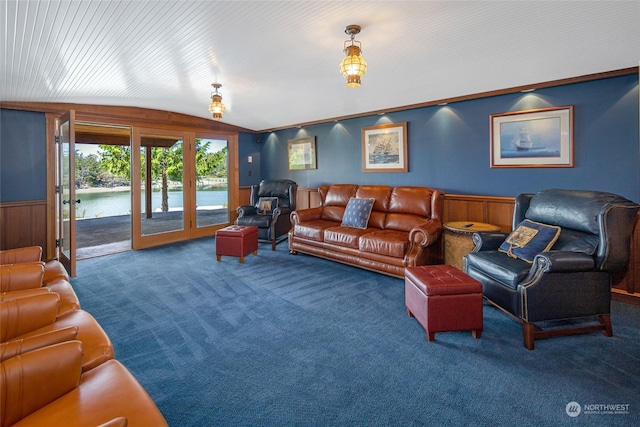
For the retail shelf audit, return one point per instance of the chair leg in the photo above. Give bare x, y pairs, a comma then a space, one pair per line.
528, 333
273, 245
605, 321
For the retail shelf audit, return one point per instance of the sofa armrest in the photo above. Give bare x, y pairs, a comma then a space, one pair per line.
18, 255
68, 299
246, 210
561, 284
488, 241
37, 378
16, 347
564, 261
24, 315
427, 233
304, 215
54, 270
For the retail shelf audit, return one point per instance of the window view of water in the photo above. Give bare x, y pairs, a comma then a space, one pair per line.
112, 203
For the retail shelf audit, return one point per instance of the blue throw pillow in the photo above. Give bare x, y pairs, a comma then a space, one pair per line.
266, 205
357, 213
529, 239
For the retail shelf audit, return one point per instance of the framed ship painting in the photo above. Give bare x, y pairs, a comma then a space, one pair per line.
384, 148
541, 138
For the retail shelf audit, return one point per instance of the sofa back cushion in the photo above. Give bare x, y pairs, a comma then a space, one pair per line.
335, 199
25, 275
408, 207
382, 196
579, 210
600, 222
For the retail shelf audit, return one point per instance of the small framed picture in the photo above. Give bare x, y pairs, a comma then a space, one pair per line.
302, 153
541, 138
384, 148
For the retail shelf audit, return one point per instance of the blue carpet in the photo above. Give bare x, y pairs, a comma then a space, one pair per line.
297, 340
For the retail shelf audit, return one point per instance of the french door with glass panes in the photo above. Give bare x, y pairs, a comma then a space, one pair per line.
180, 184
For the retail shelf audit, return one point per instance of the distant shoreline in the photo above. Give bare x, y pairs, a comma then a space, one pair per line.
103, 190
123, 189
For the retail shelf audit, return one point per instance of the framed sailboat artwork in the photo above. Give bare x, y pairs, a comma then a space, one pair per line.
541, 138
384, 148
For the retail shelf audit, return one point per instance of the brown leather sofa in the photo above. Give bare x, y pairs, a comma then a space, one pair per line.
404, 228
58, 364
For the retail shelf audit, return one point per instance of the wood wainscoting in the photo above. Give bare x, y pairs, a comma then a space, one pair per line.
24, 224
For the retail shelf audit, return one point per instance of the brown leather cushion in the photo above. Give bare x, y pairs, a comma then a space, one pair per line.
411, 200
344, 236
97, 345
312, 230
385, 242
18, 255
13, 348
24, 315
37, 378
403, 222
105, 392
26, 275
335, 200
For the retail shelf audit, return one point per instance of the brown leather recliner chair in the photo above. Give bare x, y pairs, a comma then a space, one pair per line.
273, 223
571, 279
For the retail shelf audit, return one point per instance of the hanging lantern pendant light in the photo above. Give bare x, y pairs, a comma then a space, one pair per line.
353, 66
216, 108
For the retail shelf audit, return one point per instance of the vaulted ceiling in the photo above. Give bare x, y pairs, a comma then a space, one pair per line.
278, 61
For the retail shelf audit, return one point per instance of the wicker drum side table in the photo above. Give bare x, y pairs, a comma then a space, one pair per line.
458, 240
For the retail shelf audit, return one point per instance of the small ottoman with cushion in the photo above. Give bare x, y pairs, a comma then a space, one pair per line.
442, 299
236, 240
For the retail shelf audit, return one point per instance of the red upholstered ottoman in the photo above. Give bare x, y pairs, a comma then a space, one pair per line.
443, 298
237, 240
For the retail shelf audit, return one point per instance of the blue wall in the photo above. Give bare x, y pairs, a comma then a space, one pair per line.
449, 145
248, 146
23, 156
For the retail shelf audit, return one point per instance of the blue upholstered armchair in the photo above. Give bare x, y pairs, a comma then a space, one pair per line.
272, 202
558, 262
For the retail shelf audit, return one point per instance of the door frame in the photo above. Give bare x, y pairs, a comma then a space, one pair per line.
69, 261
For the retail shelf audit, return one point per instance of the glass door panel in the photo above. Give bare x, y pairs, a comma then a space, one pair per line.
212, 189
162, 188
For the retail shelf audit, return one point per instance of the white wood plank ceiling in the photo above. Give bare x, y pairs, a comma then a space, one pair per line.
278, 61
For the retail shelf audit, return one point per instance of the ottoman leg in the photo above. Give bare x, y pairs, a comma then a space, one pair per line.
218, 257
431, 336
476, 333
241, 260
